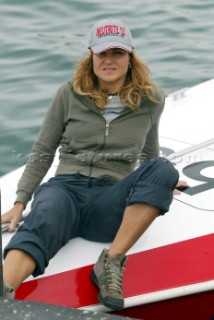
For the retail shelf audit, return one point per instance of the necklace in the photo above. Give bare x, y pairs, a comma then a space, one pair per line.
110, 95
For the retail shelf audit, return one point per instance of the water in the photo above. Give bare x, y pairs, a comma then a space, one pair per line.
42, 40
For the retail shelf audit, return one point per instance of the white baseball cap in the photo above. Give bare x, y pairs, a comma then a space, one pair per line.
110, 33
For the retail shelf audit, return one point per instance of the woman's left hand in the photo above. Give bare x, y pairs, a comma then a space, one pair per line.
180, 184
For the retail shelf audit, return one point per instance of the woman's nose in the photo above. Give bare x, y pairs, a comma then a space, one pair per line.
108, 57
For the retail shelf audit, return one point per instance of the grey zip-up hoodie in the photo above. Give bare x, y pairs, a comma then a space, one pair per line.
88, 144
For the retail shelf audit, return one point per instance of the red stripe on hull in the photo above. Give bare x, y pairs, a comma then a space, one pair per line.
170, 266
193, 307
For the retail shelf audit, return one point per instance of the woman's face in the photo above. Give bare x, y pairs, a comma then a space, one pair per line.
111, 67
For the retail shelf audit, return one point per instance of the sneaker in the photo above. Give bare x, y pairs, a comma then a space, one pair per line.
8, 291
107, 275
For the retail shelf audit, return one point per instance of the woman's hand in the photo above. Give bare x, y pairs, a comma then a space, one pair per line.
13, 216
181, 184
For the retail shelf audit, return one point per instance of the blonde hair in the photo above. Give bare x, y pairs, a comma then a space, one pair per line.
138, 83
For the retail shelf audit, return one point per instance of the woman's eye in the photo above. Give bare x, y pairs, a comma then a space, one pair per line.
119, 52
113, 52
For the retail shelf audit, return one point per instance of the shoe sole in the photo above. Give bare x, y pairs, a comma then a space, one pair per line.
109, 304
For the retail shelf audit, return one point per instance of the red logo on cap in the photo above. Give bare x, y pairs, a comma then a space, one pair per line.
110, 30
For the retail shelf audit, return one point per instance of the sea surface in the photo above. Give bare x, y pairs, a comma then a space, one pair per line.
41, 42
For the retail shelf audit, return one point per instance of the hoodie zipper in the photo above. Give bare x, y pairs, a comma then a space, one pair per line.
107, 130
106, 134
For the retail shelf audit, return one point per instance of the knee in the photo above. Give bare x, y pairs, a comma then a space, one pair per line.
159, 171
165, 172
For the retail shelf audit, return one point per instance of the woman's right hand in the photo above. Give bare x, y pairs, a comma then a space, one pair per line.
13, 216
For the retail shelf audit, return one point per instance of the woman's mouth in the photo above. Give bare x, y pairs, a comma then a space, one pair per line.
109, 69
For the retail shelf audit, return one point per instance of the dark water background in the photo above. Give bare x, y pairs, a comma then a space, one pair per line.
42, 40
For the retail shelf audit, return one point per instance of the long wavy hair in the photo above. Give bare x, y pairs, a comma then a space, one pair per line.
138, 83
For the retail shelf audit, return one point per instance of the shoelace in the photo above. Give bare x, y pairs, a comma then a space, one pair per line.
114, 278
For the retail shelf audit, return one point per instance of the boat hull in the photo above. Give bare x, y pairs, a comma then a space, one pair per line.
170, 270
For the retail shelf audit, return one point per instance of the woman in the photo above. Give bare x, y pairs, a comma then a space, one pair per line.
105, 121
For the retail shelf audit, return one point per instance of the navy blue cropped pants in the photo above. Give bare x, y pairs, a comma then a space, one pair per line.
70, 206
